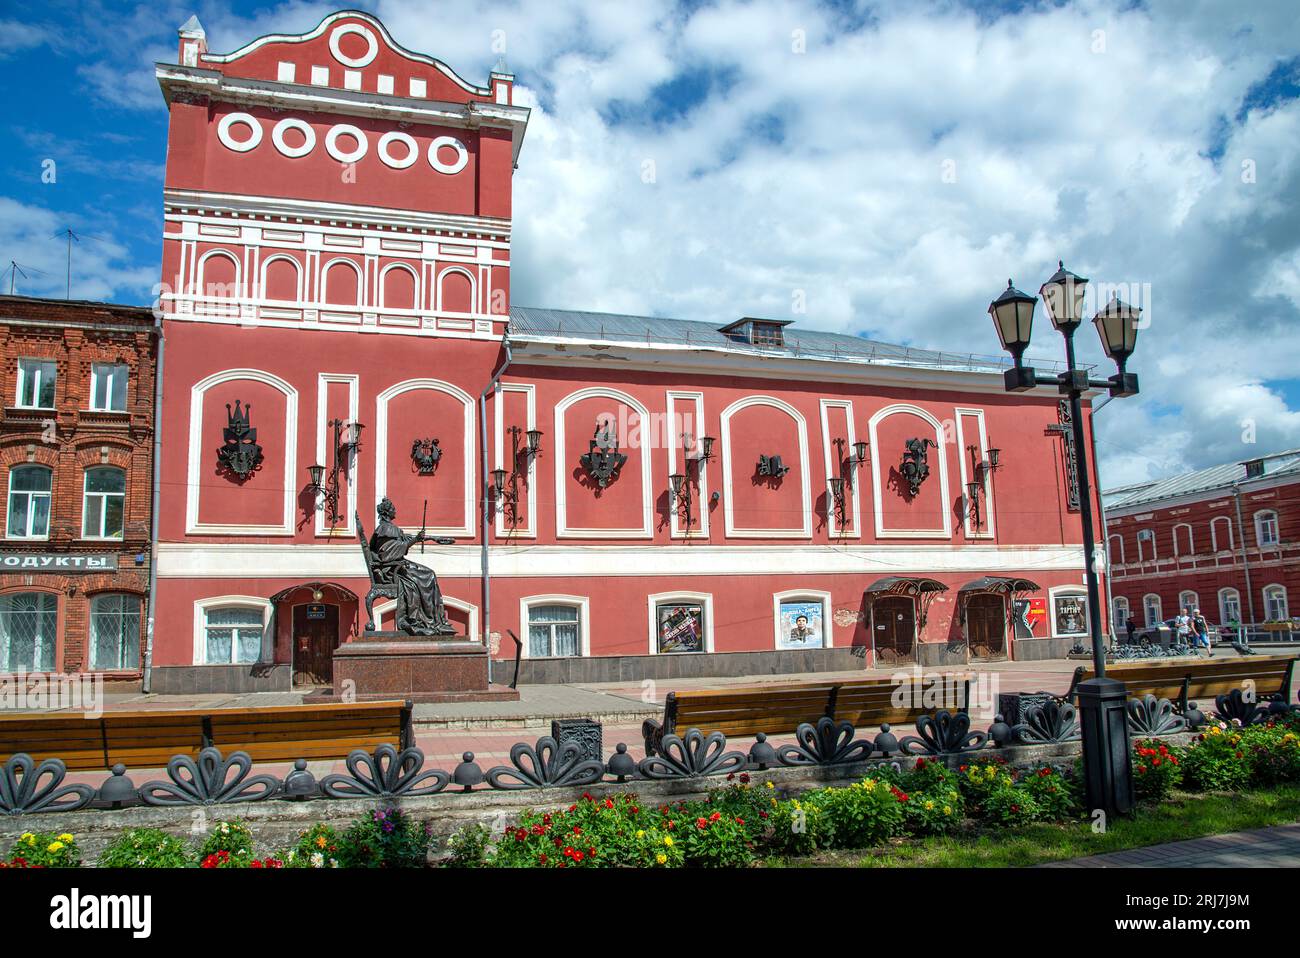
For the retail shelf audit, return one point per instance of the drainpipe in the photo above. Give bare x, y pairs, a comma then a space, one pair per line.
1107, 609
1245, 563
487, 501
153, 508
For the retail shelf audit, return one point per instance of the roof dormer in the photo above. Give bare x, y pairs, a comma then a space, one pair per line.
757, 332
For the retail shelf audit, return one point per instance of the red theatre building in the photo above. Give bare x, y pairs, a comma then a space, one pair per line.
659, 497
1225, 540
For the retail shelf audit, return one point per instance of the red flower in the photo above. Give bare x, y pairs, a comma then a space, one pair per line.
608, 803
715, 816
541, 858
577, 856
701, 823
744, 778
920, 764
1015, 808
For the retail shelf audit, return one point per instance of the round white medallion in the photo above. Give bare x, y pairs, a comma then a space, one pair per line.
254, 128
462, 155
346, 129
308, 137
356, 62
412, 150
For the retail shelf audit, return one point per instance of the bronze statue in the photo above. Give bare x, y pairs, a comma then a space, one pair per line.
420, 609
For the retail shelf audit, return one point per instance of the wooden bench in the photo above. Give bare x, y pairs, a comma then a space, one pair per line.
149, 738
1181, 682
779, 708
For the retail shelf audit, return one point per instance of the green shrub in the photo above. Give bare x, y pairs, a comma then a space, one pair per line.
1156, 769
147, 848
1010, 805
317, 847
228, 845
1216, 761
384, 838
981, 778
44, 850
932, 812
1273, 751
468, 846
863, 814
1053, 795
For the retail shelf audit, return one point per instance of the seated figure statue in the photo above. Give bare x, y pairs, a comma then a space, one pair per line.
420, 609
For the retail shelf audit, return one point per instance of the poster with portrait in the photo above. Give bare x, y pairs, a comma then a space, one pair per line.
800, 626
680, 627
1071, 615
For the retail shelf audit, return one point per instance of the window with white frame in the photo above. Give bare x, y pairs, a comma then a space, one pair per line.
1146, 540
1221, 535
554, 630
1275, 608
1115, 548
1188, 600
1229, 606
29, 503
108, 387
680, 625
114, 632
1266, 533
28, 626
103, 503
1151, 606
36, 379
1120, 612
232, 635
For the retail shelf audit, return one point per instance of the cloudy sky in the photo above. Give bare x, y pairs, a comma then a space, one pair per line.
889, 164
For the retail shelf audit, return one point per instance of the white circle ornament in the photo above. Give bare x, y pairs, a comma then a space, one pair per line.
229, 120
462, 154
346, 129
356, 62
308, 137
412, 150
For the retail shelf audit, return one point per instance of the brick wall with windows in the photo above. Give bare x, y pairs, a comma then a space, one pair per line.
76, 468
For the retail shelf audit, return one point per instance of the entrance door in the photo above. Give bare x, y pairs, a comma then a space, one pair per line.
894, 618
315, 636
986, 626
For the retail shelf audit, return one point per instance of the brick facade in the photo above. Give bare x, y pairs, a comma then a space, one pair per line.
69, 439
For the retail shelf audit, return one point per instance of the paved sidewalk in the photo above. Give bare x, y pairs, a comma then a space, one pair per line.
1277, 847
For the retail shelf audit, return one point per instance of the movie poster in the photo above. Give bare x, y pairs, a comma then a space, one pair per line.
681, 628
1027, 614
1071, 615
800, 626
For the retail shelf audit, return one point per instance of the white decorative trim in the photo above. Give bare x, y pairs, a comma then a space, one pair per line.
196, 450
878, 491
229, 142
451, 602
1191, 538
854, 531
1214, 539
473, 288
1259, 539
346, 129
201, 267
201, 606
562, 529
658, 598
811, 595
412, 149
988, 512
581, 602
701, 505
805, 470
462, 155
1111, 556
292, 123
297, 271
529, 529
381, 448
415, 286
322, 284
1286, 600
325, 455
1159, 606
1236, 594
372, 45
1072, 590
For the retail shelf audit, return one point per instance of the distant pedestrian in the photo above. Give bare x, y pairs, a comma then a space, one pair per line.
1201, 629
1183, 625
1130, 627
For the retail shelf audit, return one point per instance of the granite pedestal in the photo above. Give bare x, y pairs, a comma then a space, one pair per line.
392, 665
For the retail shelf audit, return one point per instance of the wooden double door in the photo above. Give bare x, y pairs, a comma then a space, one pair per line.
986, 626
315, 637
893, 620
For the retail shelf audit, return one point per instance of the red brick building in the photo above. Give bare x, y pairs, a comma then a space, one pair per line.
76, 454
1225, 540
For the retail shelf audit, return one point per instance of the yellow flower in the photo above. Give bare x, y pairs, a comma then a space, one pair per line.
769, 785
54, 847
929, 805
65, 837
28, 838
668, 840
640, 833
320, 841
661, 858
947, 809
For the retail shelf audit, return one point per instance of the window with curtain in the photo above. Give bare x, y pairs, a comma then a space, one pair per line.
1229, 606
28, 626
115, 632
108, 387
36, 378
1266, 528
233, 635
553, 630
104, 503
1152, 605
1275, 608
29, 503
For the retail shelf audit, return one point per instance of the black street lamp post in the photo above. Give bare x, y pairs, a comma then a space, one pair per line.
1107, 764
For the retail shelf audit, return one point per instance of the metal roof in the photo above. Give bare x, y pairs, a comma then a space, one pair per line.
1203, 480
565, 325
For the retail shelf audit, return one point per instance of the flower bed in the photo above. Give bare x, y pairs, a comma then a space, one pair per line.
736, 825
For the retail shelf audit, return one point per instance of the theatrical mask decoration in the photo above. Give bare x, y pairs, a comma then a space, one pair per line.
240, 455
916, 466
603, 460
772, 466
420, 610
425, 454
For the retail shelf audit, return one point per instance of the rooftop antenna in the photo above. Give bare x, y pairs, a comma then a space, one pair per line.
71, 236
16, 269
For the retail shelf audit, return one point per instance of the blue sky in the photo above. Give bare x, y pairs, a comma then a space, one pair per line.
888, 164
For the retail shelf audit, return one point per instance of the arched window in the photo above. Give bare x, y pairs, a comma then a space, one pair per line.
1146, 539
1120, 613
28, 628
1151, 605
1266, 530
103, 503
455, 292
219, 275
29, 503
1116, 549
1183, 542
397, 288
342, 284
1188, 600
280, 280
1275, 605
1229, 606
114, 632
1221, 535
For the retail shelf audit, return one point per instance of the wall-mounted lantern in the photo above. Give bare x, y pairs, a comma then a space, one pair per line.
240, 455
603, 460
425, 456
520, 457
347, 438
916, 467
680, 496
772, 466
837, 496
972, 504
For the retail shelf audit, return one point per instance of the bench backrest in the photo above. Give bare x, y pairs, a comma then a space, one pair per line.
781, 707
1270, 674
149, 739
